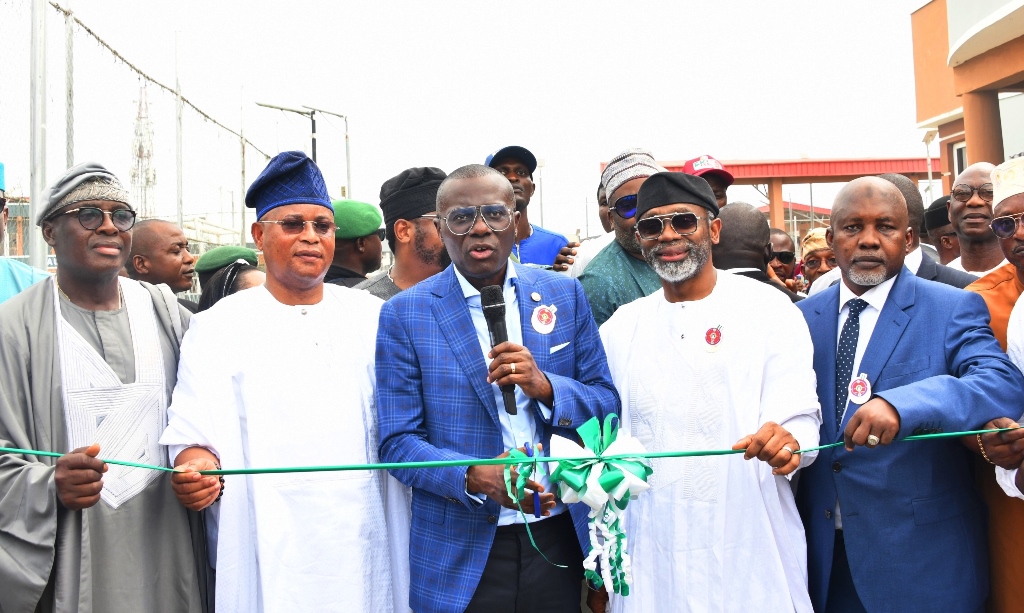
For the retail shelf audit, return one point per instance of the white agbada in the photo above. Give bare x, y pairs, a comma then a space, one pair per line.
263, 384
714, 533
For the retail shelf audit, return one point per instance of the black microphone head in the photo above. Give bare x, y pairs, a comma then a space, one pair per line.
492, 299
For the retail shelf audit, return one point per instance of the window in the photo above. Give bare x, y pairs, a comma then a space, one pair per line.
959, 158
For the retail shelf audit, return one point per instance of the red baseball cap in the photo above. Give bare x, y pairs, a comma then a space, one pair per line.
707, 165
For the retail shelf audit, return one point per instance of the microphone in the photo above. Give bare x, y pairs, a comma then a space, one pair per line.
492, 299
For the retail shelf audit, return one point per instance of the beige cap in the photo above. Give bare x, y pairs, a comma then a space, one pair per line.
813, 241
1008, 179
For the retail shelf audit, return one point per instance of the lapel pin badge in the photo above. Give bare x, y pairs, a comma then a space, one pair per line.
712, 337
543, 319
860, 389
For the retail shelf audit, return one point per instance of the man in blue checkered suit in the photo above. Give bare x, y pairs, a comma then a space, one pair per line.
439, 399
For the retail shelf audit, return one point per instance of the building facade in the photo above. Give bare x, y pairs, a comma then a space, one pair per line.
969, 79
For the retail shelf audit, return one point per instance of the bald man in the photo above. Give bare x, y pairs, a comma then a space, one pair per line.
160, 254
744, 246
896, 527
970, 212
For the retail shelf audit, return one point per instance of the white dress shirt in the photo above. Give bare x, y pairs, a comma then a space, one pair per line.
875, 297
519, 428
959, 265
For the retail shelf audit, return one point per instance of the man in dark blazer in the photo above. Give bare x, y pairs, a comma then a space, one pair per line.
896, 527
439, 399
744, 246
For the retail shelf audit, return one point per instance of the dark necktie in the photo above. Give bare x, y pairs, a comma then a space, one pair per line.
845, 355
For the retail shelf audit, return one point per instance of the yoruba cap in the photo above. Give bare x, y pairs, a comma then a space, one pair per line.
707, 165
81, 183
937, 215
516, 153
219, 257
813, 241
410, 194
626, 166
1008, 179
663, 188
289, 178
355, 219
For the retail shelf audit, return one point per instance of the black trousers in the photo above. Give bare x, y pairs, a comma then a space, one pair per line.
842, 594
516, 578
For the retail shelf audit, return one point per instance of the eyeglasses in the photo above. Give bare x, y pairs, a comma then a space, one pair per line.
296, 226
1005, 227
785, 257
91, 217
650, 228
380, 234
460, 221
626, 206
814, 264
963, 192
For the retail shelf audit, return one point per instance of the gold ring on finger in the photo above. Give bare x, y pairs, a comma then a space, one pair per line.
873, 440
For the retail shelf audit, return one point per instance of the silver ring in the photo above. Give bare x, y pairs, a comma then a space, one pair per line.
513, 365
873, 440
786, 447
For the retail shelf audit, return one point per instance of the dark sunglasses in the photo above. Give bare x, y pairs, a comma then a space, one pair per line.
650, 228
1005, 227
296, 226
381, 233
91, 217
785, 257
626, 206
963, 192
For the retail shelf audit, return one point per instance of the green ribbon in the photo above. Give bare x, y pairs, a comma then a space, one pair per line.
480, 461
617, 478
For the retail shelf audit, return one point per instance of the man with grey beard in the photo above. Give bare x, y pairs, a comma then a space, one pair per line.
696, 368
897, 355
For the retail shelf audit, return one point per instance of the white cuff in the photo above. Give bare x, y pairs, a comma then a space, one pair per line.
1007, 479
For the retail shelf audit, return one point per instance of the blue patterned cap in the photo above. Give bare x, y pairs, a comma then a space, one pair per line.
290, 178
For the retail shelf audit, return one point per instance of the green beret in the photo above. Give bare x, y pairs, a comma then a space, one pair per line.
219, 257
355, 219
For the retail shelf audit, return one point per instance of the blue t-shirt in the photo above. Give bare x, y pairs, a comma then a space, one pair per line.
16, 277
541, 247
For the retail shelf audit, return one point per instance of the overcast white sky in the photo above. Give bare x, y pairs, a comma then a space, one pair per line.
444, 83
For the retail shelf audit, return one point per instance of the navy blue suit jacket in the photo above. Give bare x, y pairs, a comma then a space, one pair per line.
434, 403
913, 524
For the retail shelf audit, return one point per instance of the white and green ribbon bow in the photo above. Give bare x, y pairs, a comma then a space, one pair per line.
604, 481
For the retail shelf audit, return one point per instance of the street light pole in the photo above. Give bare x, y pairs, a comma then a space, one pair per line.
348, 157
929, 136
310, 113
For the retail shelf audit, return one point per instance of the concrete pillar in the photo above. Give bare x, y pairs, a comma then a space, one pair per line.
982, 127
776, 206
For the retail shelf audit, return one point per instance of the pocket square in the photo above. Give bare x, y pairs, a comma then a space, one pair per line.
559, 347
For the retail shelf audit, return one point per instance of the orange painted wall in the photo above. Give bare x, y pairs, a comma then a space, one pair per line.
994, 69
933, 79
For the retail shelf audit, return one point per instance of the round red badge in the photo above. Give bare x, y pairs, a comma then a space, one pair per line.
713, 336
545, 316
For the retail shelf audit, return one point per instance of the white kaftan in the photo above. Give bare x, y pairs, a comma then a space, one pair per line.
263, 384
716, 533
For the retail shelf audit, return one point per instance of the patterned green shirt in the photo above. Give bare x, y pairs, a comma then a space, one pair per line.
614, 278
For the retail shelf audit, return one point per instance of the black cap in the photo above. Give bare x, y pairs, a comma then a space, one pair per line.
410, 194
516, 153
674, 187
937, 215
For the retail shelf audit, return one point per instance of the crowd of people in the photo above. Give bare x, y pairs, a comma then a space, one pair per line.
692, 320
